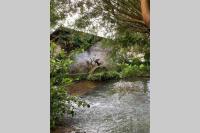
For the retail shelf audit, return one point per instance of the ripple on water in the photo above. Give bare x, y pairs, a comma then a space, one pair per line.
114, 111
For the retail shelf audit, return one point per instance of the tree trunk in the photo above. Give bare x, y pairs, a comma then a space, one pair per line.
145, 8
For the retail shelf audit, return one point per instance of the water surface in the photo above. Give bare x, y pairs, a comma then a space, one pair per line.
113, 110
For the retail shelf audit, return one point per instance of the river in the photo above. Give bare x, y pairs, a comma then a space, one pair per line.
112, 109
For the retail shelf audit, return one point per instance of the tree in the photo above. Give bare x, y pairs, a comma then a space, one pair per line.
117, 14
145, 8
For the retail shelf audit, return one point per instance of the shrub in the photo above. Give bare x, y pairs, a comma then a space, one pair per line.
106, 75
60, 101
128, 71
57, 105
134, 70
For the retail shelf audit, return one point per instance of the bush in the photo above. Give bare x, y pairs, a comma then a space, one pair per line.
69, 39
57, 105
104, 75
60, 101
123, 70
128, 71
134, 70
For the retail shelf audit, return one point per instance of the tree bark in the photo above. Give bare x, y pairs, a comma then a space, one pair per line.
145, 8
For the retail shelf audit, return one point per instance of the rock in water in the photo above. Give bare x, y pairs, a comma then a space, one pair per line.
128, 86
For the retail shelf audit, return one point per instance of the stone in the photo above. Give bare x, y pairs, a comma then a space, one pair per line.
130, 86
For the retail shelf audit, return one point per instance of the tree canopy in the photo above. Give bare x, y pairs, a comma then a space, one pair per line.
112, 14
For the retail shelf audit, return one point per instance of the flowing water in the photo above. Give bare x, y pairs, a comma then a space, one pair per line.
115, 107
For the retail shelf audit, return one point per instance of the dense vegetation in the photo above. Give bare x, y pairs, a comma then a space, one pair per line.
60, 101
115, 14
124, 66
130, 54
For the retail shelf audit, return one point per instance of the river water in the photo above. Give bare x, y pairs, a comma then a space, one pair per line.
113, 109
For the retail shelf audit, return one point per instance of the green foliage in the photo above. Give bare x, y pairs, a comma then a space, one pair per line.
129, 70
70, 39
115, 14
133, 70
128, 38
58, 70
60, 101
129, 44
83, 40
124, 16
57, 105
123, 70
57, 11
106, 75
